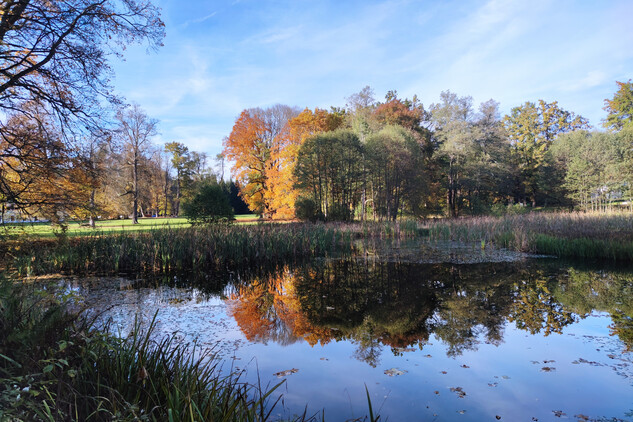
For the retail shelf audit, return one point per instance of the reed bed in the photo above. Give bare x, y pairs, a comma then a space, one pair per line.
186, 249
168, 250
601, 236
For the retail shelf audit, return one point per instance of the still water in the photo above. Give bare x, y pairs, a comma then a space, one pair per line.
531, 339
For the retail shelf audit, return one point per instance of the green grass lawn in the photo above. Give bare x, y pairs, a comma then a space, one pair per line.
77, 228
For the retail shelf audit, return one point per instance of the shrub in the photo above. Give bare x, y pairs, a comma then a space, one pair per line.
208, 205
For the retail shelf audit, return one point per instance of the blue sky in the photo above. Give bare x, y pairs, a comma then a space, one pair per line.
221, 57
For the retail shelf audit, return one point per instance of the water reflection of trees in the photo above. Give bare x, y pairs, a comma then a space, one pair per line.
400, 305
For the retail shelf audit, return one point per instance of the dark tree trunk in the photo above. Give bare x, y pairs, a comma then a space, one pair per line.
135, 193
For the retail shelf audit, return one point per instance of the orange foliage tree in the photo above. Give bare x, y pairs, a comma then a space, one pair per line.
281, 177
257, 136
263, 146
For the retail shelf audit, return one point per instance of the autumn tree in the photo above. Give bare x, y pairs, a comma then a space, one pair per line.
409, 114
620, 107
55, 54
258, 136
281, 179
136, 131
37, 167
532, 128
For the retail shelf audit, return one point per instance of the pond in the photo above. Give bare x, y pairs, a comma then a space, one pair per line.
442, 339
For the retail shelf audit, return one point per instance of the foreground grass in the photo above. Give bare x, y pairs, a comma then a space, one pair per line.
599, 236
55, 366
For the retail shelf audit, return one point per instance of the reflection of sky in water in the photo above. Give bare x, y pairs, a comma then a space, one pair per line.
589, 373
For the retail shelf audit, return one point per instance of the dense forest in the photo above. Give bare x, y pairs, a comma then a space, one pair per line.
382, 160
368, 160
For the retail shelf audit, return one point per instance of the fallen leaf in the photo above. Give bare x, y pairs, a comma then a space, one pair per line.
460, 392
285, 373
394, 372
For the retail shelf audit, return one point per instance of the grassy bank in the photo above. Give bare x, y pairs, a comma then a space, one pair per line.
599, 236
81, 228
56, 366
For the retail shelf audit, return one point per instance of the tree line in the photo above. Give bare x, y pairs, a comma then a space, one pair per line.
384, 159
70, 147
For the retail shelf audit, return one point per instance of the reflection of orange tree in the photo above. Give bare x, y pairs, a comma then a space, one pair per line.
271, 310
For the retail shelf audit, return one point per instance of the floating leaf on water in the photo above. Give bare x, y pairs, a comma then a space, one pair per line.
285, 373
394, 372
460, 392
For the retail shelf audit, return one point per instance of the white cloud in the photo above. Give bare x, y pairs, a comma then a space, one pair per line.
318, 54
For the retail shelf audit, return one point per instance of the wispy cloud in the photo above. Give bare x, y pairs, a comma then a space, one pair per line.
318, 53
202, 19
